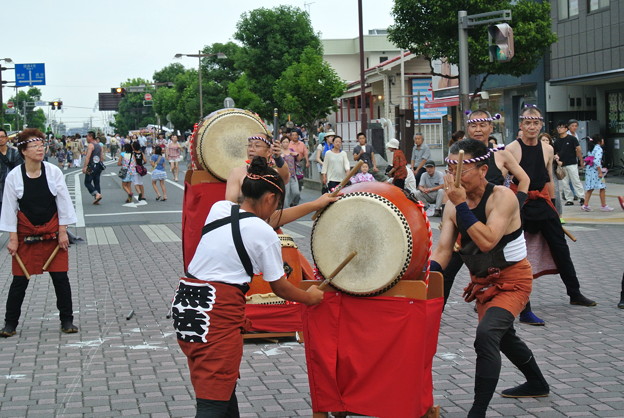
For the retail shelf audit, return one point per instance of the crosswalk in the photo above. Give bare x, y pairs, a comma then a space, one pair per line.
107, 235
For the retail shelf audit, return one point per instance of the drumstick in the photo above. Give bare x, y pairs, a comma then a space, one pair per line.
22, 266
569, 234
54, 253
343, 183
346, 261
460, 164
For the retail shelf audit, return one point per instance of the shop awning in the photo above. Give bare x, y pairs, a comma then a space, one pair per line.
442, 102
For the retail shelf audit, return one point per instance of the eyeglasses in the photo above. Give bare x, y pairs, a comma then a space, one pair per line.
452, 172
40, 146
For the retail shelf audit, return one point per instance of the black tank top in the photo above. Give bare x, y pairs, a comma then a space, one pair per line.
480, 263
479, 212
37, 203
97, 152
532, 163
494, 175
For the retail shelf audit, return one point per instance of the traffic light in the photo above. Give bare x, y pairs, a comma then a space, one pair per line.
59, 104
119, 90
501, 42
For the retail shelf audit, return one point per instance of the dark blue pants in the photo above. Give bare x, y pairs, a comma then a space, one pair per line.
92, 182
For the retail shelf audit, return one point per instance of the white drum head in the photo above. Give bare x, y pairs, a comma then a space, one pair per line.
375, 228
221, 140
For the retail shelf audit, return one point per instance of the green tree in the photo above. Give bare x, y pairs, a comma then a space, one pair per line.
132, 114
180, 104
34, 118
308, 89
272, 40
429, 28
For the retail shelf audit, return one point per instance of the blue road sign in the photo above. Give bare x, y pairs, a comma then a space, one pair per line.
29, 75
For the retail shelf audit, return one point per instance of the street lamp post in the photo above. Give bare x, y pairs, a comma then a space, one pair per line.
199, 55
7, 60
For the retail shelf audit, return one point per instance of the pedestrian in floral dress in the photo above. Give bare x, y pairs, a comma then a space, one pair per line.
594, 177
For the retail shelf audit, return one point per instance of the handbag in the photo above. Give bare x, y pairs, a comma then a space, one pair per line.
560, 173
140, 169
298, 171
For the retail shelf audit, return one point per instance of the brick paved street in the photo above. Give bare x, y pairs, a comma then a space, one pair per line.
119, 367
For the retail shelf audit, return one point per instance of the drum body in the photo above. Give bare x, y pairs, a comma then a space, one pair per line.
220, 143
387, 229
292, 268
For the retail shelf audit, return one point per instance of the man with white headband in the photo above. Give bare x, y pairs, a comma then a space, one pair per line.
539, 214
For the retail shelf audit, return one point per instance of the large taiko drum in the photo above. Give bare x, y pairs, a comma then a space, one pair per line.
260, 290
388, 230
220, 142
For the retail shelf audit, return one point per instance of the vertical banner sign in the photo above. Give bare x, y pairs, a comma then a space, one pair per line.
423, 86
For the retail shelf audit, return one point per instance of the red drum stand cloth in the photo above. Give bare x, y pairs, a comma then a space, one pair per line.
371, 356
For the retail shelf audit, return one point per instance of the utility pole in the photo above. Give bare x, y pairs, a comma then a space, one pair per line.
362, 76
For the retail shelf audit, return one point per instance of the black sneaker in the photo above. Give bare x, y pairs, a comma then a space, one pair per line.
582, 201
569, 203
68, 327
7, 331
621, 304
526, 390
582, 301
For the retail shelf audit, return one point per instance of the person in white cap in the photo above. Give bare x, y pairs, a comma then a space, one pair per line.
399, 163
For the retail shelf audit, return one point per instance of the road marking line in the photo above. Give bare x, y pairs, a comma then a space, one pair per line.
78, 201
292, 233
151, 235
110, 235
133, 213
91, 236
170, 234
179, 186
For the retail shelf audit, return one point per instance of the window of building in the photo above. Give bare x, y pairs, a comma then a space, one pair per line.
569, 8
383, 59
594, 5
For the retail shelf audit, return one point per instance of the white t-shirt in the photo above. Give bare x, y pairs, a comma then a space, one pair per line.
335, 165
216, 258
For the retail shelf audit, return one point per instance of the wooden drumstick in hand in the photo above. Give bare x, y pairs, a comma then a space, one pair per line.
343, 183
458, 172
338, 269
54, 253
22, 266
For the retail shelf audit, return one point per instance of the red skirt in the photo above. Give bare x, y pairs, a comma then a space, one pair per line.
209, 318
36, 254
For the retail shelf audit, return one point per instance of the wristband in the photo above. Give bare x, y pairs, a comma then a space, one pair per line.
279, 161
465, 215
522, 197
435, 266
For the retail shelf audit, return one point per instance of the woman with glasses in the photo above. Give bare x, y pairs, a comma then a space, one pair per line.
36, 211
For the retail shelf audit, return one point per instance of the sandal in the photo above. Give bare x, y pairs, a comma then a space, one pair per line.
163, 199
158, 198
97, 200
69, 328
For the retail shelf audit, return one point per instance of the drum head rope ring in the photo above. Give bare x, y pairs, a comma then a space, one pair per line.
408, 232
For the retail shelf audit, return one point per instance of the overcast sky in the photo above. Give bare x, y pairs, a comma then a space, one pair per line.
90, 46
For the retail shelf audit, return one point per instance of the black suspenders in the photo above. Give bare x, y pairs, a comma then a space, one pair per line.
234, 219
